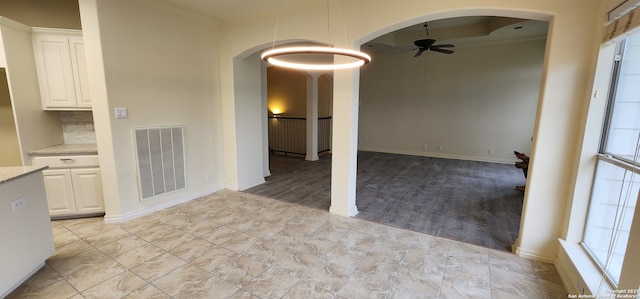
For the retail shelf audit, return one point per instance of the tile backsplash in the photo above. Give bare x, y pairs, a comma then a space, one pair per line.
77, 127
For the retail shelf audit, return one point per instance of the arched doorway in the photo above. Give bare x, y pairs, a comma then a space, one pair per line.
345, 117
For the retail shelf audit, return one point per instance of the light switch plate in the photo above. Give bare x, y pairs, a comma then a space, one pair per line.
121, 112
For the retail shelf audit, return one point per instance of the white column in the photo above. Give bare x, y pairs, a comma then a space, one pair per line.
345, 142
265, 125
312, 117
247, 118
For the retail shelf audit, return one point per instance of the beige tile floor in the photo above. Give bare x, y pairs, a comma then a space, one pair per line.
238, 245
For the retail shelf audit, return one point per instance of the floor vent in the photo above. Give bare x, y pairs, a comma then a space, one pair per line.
161, 165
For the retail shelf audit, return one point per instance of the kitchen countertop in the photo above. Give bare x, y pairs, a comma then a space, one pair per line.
67, 149
8, 174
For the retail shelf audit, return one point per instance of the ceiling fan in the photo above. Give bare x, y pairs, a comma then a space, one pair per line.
428, 44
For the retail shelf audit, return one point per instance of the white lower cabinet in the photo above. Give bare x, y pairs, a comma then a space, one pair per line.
73, 191
57, 183
87, 190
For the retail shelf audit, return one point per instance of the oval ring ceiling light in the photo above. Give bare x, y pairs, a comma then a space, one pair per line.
278, 57
315, 57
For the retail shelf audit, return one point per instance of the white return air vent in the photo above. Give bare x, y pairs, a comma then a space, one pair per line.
161, 163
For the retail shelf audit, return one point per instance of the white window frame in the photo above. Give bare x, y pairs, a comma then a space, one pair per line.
617, 161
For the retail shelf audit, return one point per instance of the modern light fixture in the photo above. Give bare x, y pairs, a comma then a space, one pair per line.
315, 57
274, 57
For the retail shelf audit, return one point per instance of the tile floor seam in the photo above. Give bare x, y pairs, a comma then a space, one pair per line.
313, 283
158, 288
62, 276
446, 262
393, 281
127, 269
344, 282
490, 278
291, 287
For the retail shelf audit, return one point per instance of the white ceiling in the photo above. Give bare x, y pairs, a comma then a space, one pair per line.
459, 31
224, 10
454, 30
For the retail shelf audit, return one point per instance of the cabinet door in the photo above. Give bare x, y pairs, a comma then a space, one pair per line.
55, 72
87, 190
59, 190
81, 77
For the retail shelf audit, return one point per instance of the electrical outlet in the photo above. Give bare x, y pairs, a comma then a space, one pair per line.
490, 152
440, 147
424, 146
18, 204
209, 178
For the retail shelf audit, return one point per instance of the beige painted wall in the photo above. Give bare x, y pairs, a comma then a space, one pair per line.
8, 134
43, 13
287, 93
161, 64
325, 95
482, 97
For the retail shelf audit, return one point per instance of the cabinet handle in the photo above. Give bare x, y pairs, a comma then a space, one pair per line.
66, 160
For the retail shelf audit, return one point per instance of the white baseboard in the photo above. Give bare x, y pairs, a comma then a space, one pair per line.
251, 185
534, 255
161, 206
344, 213
234, 187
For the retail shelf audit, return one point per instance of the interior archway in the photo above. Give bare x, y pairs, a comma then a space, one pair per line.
439, 126
389, 29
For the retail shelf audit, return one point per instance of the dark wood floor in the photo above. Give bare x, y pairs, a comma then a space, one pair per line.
472, 202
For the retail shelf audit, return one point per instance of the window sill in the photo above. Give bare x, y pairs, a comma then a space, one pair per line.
579, 273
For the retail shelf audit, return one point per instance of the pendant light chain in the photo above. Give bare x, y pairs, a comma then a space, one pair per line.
344, 23
286, 56
329, 24
275, 33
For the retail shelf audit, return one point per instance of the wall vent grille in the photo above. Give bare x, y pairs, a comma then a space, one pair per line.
161, 162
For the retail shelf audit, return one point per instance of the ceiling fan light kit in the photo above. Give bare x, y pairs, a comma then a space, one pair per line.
428, 44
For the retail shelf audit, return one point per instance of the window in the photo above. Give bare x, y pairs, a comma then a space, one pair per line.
617, 179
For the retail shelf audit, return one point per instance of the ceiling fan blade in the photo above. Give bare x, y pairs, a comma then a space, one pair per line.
444, 46
419, 52
445, 51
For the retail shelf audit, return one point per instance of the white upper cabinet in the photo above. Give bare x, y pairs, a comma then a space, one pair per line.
62, 69
80, 75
